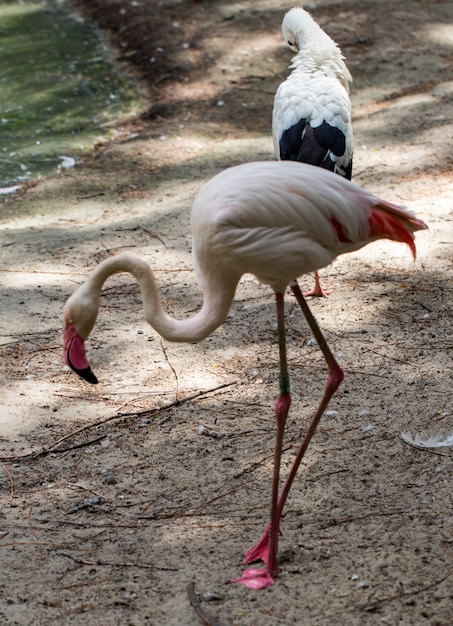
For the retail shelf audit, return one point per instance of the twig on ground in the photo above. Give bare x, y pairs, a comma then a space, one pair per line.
84, 444
164, 350
11, 482
85, 525
207, 432
256, 464
347, 520
91, 195
194, 603
54, 446
33, 532
7, 544
370, 606
99, 562
148, 231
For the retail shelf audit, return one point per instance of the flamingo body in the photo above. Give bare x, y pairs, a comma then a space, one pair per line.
276, 220
280, 220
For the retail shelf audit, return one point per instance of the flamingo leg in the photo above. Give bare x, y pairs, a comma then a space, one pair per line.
317, 290
334, 379
266, 548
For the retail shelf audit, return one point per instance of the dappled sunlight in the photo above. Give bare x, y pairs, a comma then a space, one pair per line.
438, 34
21, 280
161, 473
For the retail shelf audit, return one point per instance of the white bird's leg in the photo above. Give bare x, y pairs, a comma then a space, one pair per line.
267, 547
317, 290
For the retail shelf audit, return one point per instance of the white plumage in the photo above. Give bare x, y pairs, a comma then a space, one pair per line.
311, 120
435, 441
312, 111
274, 220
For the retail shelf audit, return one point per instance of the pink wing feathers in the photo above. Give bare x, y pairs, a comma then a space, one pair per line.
392, 222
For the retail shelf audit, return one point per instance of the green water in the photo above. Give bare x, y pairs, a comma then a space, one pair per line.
59, 88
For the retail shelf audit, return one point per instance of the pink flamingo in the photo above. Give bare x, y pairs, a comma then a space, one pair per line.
276, 220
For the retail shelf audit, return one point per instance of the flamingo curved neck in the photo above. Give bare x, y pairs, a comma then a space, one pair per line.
216, 302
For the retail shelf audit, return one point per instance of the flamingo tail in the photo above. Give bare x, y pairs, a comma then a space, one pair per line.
392, 222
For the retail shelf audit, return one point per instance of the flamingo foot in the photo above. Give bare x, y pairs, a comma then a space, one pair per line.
260, 551
255, 578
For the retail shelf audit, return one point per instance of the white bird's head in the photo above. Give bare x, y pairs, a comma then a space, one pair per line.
309, 40
300, 29
79, 316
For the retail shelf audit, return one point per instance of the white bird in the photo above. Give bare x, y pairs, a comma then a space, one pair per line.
276, 220
311, 120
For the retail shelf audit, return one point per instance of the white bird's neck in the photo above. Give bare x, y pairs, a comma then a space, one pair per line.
216, 301
311, 58
316, 49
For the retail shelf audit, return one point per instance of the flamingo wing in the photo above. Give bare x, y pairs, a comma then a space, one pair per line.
281, 220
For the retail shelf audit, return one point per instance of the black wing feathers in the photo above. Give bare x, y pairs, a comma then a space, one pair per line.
311, 145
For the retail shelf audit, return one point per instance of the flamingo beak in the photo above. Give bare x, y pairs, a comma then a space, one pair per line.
74, 355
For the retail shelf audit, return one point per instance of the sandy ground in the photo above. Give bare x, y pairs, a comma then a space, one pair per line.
113, 499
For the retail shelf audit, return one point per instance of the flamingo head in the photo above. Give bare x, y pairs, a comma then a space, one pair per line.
79, 317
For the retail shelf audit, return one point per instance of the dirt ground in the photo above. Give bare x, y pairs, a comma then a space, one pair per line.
115, 497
